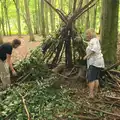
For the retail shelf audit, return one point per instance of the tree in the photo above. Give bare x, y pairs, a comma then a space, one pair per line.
2, 18
1, 40
46, 18
87, 17
109, 29
17, 5
28, 20
42, 19
52, 17
7, 17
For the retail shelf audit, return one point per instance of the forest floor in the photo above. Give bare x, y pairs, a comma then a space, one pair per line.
105, 106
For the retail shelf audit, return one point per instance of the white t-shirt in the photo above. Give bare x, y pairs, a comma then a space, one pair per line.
95, 59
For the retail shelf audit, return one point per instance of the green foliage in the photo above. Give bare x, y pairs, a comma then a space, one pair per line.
33, 64
42, 102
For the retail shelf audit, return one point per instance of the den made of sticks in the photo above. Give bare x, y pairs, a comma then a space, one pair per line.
59, 60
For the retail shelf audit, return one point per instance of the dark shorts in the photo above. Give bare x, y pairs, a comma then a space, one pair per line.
93, 73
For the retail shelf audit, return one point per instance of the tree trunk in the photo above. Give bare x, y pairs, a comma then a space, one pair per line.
17, 4
42, 19
2, 21
28, 20
87, 18
52, 17
70, 6
7, 18
46, 18
1, 40
109, 29
39, 17
94, 16
36, 18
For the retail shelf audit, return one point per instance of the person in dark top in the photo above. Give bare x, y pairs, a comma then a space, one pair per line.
5, 61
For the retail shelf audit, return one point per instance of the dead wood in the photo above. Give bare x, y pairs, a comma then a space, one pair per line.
105, 112
112, 66
25, 107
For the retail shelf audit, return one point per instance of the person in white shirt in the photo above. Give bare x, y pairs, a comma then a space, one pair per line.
95, 61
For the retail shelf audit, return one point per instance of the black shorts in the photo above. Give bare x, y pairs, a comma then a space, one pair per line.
93, 73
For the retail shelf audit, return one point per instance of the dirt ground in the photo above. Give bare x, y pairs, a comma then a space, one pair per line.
21, 52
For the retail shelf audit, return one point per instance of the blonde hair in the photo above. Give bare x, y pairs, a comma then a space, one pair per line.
92, 32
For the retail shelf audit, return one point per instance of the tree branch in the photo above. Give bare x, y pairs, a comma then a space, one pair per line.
74, 5
15, 3
80, 4
56, 10
78, 11
85, 11
62, 14
25, 107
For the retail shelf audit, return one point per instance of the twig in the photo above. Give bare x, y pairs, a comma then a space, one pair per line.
25, 107
71, 71
59, 74
25, 77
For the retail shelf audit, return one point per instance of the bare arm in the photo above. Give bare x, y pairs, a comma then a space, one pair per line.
10, 62
88, 56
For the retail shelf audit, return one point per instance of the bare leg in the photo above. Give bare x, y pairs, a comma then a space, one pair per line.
96, 86
91, 86
4, 74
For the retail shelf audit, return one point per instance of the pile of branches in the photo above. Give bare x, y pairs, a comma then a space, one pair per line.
111, 76
66, 46
32, 67
54, 49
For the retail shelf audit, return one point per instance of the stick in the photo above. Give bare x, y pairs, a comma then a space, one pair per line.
71, 71
113, 66
25, 107
115, 71
105, 112
116, 98
56, 10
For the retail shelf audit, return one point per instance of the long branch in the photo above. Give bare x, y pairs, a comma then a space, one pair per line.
64, 20
84, 11
80, 4
25, 107
78, 11
62, 14
105, 112
74, 5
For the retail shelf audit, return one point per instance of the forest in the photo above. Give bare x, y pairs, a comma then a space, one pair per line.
51, 71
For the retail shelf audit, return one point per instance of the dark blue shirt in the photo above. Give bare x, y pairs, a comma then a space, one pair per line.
5, 49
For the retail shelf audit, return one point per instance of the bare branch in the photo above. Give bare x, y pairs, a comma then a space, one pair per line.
80, 4
79, 11
74, 5
25, 107
56, 10
62, 14
85, 11
87, 5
